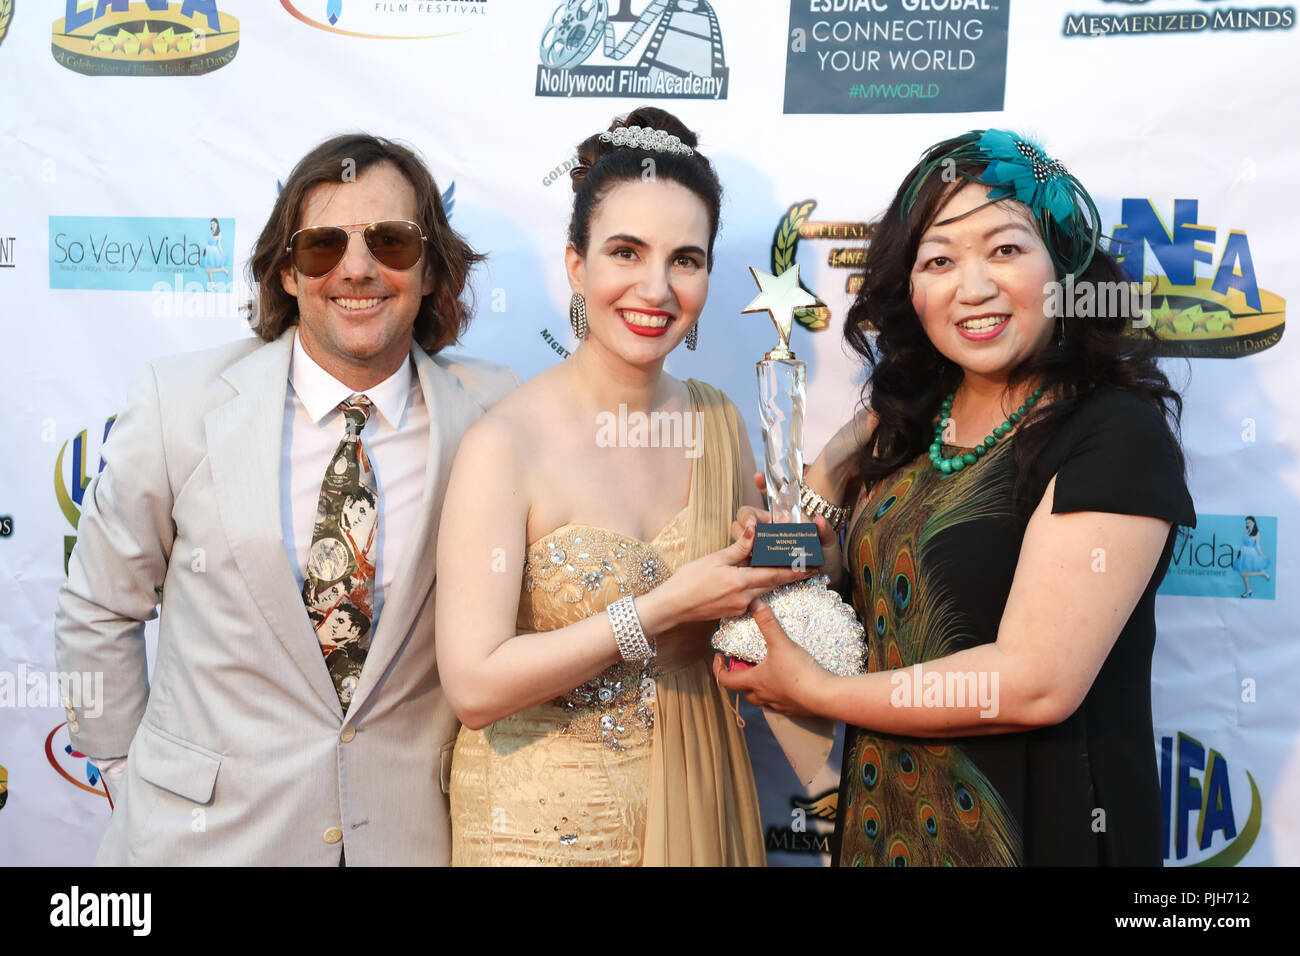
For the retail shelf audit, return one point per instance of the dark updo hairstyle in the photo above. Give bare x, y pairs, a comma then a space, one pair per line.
602, 165
909, 377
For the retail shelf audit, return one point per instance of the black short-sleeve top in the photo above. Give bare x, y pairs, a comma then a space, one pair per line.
932, 558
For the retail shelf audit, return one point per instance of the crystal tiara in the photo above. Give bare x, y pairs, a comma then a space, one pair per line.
655, 140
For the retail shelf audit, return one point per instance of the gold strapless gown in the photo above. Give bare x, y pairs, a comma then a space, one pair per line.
642, 765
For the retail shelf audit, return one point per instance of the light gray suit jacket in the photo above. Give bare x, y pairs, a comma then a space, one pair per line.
240, 753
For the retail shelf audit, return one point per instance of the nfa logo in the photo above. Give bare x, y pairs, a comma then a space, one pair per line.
680, 43
6, 14
135, 253
70, 487
1176, 21
1222, 315
72, 765
144, 37
391, 21
796, 225
1196, 787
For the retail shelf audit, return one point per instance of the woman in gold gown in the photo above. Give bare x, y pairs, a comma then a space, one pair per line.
599, 480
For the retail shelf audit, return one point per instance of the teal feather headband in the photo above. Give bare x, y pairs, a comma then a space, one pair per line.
1017, 168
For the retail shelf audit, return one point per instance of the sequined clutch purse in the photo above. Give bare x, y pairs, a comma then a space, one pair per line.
813, 616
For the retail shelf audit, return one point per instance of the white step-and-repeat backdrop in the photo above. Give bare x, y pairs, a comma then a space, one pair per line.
127, 127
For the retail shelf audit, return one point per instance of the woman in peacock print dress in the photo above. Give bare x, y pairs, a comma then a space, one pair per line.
1010, 493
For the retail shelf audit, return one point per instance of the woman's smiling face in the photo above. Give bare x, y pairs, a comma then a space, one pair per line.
981, 283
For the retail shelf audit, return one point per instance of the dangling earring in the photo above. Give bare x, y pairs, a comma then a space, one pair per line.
1060, 342
693, 336
578, 315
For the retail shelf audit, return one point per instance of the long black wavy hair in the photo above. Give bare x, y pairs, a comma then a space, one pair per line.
909, 377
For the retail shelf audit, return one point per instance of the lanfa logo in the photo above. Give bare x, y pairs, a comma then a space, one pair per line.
144, 37
848, 252
1201, 825
680, 44
1221, 315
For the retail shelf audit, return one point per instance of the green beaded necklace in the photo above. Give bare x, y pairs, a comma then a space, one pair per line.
956, 463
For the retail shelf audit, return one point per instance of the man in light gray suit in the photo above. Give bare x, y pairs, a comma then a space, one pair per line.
282, 493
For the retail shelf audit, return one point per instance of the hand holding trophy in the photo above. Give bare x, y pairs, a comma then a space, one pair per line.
810, 613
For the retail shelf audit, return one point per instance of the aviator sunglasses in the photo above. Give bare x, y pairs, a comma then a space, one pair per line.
394, 243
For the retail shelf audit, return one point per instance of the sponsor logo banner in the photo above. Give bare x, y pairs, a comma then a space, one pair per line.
848, 251
1222, 314
144, 37
896, 56
1202, 824
1117, 21
136, 253
427, 20
588, 51
1222, 558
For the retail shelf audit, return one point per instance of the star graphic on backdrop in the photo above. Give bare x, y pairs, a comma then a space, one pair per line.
779, 296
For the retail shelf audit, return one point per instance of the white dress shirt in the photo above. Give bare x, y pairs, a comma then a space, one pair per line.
396, 439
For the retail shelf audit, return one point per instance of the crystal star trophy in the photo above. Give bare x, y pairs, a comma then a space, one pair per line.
811, 614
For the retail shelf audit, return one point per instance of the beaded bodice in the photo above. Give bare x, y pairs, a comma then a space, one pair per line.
577, 571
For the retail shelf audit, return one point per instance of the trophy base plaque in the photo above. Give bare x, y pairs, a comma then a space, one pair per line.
793, 544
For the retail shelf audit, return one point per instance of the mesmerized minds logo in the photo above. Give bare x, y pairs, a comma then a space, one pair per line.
1163, 20
1201, 825
680, 43
390, 21
1224, 314
136, 253
144, 37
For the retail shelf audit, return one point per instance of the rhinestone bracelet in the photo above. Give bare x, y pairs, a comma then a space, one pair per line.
814, 504
631, 639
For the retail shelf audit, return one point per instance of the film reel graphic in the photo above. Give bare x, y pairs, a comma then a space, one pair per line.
686, 38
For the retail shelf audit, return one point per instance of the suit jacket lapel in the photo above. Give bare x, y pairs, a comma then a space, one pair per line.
244, 450
451, 411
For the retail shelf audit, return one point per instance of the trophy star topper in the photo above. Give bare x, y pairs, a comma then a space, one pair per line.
779, 296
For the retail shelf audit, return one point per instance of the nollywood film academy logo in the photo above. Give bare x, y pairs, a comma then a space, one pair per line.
848, 251
144, 37
428, 20
586, 50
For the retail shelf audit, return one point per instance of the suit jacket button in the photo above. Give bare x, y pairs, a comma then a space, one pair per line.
348, 733
333, 835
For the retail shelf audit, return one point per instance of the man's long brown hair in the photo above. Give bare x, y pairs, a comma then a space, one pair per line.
444, 315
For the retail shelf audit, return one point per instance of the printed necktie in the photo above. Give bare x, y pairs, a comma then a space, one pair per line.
339, 585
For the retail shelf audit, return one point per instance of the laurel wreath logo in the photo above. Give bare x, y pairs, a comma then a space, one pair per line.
784, 244
6, 14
